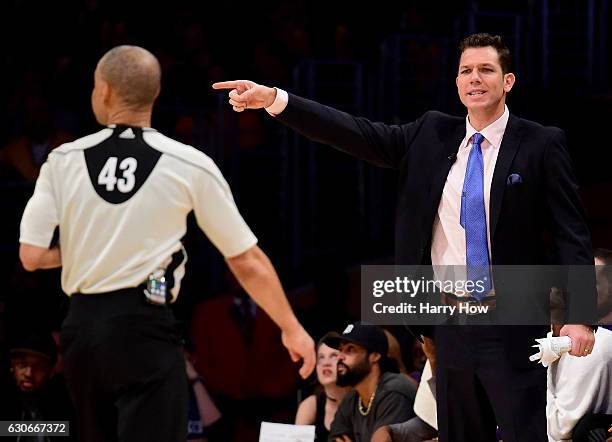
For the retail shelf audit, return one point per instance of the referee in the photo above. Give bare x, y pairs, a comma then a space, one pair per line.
121, 197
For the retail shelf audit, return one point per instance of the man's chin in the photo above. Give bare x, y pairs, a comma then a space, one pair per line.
341, 382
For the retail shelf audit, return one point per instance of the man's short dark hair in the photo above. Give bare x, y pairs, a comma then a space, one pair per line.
484, 40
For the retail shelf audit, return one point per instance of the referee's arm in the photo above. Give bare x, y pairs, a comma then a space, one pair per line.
35, 258
38, 223
257, 275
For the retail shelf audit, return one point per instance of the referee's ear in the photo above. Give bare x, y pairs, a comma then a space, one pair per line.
109, 96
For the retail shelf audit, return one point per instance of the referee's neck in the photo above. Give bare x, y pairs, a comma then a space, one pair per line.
128, 117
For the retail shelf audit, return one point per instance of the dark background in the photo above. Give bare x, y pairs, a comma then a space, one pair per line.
317, 213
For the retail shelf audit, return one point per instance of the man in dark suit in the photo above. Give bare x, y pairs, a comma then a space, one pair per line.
487, 189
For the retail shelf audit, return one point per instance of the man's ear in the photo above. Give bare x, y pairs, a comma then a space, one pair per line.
509, 80
374, 357
106, 92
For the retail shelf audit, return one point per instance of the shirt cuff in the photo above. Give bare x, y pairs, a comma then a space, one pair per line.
280, 102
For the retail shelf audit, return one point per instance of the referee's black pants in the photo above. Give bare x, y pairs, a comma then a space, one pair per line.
125, 369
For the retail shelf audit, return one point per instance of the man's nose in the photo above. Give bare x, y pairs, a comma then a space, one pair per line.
27, 371
475, 77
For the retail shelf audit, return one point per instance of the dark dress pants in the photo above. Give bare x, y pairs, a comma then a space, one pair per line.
125, 369
478, 388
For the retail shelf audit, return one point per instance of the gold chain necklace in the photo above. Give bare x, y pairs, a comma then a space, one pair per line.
370, 402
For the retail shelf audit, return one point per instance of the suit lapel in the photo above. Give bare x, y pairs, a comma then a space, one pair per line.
451, 147
507, 151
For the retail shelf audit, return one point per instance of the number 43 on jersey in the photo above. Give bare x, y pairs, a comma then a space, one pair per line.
108, 174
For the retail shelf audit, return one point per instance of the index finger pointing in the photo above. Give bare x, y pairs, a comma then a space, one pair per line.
225, 85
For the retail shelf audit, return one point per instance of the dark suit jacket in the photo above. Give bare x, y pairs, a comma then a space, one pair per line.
538, 221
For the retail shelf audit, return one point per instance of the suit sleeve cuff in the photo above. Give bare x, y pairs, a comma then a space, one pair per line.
280, 102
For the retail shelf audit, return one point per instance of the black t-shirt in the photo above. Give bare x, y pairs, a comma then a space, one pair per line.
321, 432
393, 403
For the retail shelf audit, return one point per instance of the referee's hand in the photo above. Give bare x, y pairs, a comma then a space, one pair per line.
258, 277
300, 346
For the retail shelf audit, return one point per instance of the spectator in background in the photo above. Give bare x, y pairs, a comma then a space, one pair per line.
23, 155
578, 388
320, 408
395, 353
381, 395
202, 411
579, 398
238, 350
603, 269
37, 395
424, 425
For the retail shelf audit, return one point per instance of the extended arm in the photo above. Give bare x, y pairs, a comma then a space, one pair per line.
378, 143
257, 276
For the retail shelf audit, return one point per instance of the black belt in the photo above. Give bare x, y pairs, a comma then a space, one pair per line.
456, 301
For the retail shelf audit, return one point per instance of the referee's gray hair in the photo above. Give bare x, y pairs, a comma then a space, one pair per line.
134, 73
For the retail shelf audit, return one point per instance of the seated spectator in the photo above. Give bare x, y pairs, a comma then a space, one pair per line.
579, 387
592, 428
395, 353
37, 395
22, 156
320, 408
202, 410
381, 395
247, 370
603, 263
424, 425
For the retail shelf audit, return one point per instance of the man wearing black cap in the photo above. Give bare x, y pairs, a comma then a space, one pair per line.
380, 396
37, 395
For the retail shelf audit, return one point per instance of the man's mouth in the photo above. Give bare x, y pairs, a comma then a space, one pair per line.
26, 385
475, 93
